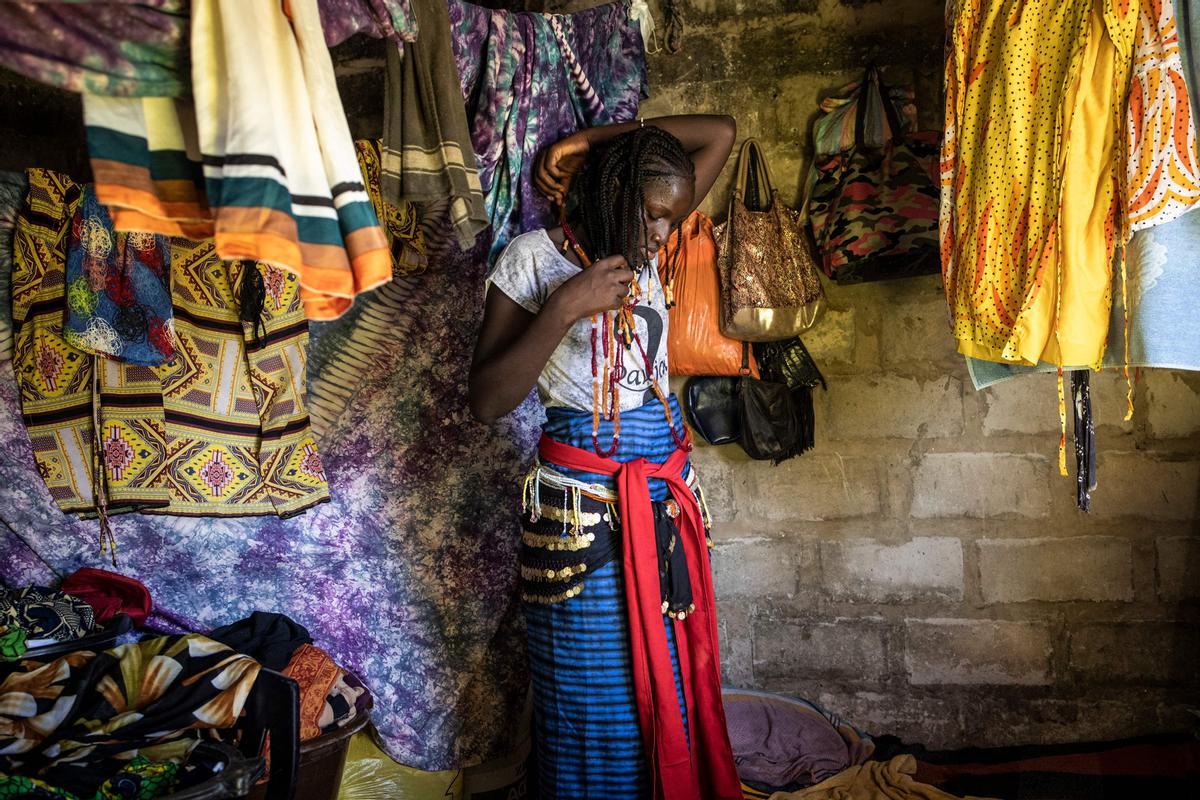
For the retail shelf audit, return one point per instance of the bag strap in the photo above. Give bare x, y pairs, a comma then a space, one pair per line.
751, 157
745, 368
813, 361
873, 82
739, 186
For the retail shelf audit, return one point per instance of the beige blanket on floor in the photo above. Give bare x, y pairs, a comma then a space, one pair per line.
875, 780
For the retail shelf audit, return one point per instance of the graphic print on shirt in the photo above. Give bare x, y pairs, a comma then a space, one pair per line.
649, 323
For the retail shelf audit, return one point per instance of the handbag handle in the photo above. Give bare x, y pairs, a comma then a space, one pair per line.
873, 80
752, 152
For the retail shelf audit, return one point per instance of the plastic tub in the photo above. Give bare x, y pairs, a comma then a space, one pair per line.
321, 763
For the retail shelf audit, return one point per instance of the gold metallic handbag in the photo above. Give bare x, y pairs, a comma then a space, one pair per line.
770, 286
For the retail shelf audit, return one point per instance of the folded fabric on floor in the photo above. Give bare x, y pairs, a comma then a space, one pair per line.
220, 430
270, 639
109, 594
789, 742
322, 683
77, 720
531, 79
118, 289
874, 780
141, 779
426, 149
121, 48
379, 19
260, 158
1164, 765
47, 614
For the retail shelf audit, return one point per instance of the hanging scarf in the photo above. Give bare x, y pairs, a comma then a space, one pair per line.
118, 289
276, 180
426, 148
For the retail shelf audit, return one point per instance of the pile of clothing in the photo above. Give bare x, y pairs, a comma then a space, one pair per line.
76, 722
87, 722
330, 697
787, 748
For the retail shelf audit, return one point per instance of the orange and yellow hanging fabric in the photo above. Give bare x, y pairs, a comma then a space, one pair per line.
1033, 174
1163, 173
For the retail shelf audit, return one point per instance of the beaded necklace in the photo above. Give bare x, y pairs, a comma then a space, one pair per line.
606, 399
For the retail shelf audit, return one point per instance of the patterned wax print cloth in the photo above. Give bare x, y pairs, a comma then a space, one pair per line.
423, 497
1031, 207
140, 779
46, 614
117, 48
1160, 283
76, 720
1163, 172
219, 430
260, 158
531, 79
118, 289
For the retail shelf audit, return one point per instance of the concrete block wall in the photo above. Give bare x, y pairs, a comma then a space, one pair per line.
924, 572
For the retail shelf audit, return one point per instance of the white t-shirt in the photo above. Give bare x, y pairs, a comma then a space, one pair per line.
528, 272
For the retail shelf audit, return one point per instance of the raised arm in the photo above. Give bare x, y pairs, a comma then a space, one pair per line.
707, 138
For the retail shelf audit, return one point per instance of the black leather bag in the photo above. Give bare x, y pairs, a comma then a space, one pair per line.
711, 406
770, 421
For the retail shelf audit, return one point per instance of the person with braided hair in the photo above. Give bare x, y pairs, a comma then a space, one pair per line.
614, 569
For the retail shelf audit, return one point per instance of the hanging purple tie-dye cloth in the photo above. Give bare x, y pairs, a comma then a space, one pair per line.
119, 48
379, 19
531, 79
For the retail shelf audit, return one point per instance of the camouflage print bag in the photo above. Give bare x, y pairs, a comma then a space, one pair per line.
874, 209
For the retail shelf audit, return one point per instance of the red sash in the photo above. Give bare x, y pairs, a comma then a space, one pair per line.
707, 771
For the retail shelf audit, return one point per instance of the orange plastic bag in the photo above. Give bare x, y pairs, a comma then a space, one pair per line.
695, 344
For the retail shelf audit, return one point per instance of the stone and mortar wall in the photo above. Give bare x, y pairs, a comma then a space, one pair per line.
923, 571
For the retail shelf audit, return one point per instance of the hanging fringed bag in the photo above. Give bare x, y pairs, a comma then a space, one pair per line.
770, 287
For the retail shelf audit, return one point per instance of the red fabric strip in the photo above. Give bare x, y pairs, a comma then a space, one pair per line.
707, 771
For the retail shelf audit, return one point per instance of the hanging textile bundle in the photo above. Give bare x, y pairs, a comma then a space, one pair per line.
426, 154
221, 430
639, 12
1028, 228
261, 159
589, 69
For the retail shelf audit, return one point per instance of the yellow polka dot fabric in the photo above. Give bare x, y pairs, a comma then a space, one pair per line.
1033, 174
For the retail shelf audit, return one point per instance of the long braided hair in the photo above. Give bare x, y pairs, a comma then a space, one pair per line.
612, 195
